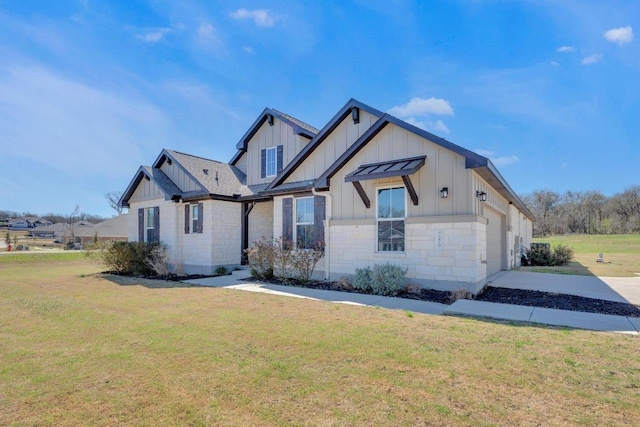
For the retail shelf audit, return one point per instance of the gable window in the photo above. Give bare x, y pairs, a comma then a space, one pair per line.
304, 223
270, 161
390, 215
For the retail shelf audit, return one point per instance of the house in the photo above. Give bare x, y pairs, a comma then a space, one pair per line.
111, 229
370, 187
28, 222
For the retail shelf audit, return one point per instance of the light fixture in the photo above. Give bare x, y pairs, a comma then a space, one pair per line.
444, 193
481, 195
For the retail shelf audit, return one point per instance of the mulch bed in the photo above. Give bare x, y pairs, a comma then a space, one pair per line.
504, 296
488, 294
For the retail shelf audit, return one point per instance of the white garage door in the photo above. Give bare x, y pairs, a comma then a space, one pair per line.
495, 241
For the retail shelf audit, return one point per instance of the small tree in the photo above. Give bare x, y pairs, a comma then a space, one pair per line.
113, 198
7, 238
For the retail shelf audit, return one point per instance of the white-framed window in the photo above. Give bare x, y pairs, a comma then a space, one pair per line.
304, 211
149, 225
195, 218
272, 161
391, 211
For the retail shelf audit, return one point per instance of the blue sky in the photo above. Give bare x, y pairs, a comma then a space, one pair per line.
92, 89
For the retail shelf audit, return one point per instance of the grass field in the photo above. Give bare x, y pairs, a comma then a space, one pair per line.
80, 349
621, 255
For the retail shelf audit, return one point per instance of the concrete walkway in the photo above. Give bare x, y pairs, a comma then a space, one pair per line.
598, 322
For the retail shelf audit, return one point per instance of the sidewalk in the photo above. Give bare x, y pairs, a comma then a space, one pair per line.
598, 322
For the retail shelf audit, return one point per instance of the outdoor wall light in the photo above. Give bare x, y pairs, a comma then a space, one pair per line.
481, 195
444, 193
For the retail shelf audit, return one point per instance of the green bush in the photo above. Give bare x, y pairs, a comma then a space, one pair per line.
362, 280
562, 255
542, 255
221, 270
127, 257
384, 279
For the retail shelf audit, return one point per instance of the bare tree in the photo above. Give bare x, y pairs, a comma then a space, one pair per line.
113, 198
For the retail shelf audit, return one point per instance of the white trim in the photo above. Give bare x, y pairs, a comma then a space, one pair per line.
295, 216
275, 161
404, 218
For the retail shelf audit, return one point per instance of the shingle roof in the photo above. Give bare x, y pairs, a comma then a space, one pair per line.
298, 122
215, 177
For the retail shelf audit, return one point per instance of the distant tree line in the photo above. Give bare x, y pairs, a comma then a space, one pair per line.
587, 212
54, 218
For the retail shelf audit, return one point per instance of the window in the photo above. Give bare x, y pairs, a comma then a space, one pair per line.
304, 223
391, 214
149, 225
271, 161
195, 218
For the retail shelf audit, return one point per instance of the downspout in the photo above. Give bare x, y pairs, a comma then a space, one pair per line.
327, 235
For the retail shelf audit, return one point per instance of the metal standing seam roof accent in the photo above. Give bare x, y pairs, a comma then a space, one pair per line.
392, 168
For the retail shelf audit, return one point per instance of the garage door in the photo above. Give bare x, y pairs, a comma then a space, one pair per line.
495, 240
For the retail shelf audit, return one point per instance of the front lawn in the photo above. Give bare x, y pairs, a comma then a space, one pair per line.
80, 349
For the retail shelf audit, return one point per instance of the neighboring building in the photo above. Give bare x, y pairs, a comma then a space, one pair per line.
111, 229
370, 187
28, 222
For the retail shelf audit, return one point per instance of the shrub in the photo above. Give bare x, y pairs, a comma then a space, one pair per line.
303, 262
460, 293
562, 255
541, 254
283, 250
129, 257
158, 260
221, 270
362, 279
384, 279
261, 258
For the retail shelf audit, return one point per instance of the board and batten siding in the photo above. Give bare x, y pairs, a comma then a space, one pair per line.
342, 137
442, 168
179, 176
146, 190
271, 136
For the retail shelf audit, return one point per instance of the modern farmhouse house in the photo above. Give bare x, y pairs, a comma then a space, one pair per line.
370, 187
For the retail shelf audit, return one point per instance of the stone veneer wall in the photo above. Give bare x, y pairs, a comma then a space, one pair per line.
444, 253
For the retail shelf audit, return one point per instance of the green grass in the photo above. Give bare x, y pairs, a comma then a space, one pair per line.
39, 257
80, 349
621, 254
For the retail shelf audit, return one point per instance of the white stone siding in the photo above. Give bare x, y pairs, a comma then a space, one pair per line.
277, 217
261, 222
167, 221
439, 255
226, 218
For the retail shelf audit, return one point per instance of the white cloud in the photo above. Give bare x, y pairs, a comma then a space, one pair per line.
422, 107
248, 49
260, 17
566, 49
208, 35
153, 36
592, 59
418, 111
436, 127
497, 161
620, 35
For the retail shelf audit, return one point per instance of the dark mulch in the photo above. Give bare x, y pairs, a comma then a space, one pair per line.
489, 294
558, 301
501, 295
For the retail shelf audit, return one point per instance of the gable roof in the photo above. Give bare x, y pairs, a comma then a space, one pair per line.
335, 121
480, 164
214, 179
299, 128
170, 190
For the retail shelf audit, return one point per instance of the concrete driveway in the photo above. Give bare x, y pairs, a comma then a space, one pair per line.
619, 289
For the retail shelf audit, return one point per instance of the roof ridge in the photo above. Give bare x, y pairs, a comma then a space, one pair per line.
295, 119
197, 157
